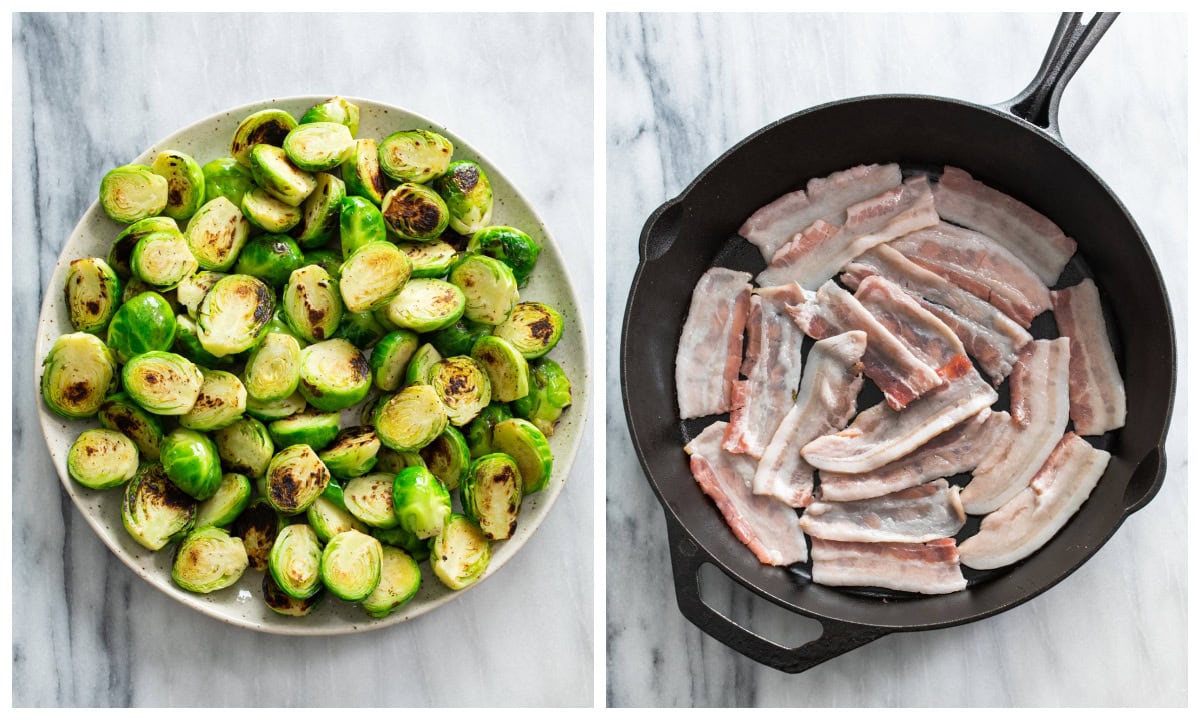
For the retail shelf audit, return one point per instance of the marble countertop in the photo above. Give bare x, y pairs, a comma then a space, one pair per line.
681, 90
91, 91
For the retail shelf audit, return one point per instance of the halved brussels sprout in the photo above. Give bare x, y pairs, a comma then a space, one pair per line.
217, 233
353, 452
122, 247
185, 183
398, 537
510, 246
209, 559
119, 412
317, 146
280, 326
431, 259
102, 459
191, 290
279, 176
154, 511
295, 477
390, 358
447, 457
162, 259
527, 445
420, 366
415, 212
190, 459
411, 419
426, 304
245, 447
132, 192
334, 375
361, 172
221, 402
322, 211
549, 394
373, 275
257, 526
533, 328
276, 410
468, 195
77, 374
284, 604
363, 330
270, 258
491, 495
234, 314
415, 156
327, 518
162, 382
295, 561
460, 554
399, 580
230, 499
369, 498
360, 223
144, 323
489, 287
268, 127
187, 344
93, 293
269, 213
224, 177
421, 501
459, 338
390, 461
463, 387
506, 368
336, 110
312, 303
273, 368
479, 432
313, 429
351, 565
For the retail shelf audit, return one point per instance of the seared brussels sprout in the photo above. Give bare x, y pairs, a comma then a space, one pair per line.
162, 382
191, 290
224, 177
489, 287
390, 358
430, 259
295, 477
369, 498
421, 501
426, 304
468, 195
144, 323
93, 293
506, 368
162, 259
329, 517
334, 375
533, 328
190, 459
317, 146
102, 459
284, 604
187, 344
268, 127
279, 176
491, 495
270, 258
119, 412
549, 394
447, 457
77, 374
352, 453
360, 223
257, 526
415, 156
217, 233
269, 213
510, 246
335, 110
361, 172
221, 402
411, 419
415, 212
420, 366
322, 211
122, 247
185, 183
463, 386
209, 559
398, 537
312, 303
479, 432
373, 275
276, 410
363, 330
230, 499
527, 445
390, 461
460, 554
295, 561
351, 565
245, 447
313, 429
154, 511
459, 338
399, 580
132, 192
273, 368
234, 314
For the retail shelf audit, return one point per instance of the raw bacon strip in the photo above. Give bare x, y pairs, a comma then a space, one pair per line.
921, 331
1097, 391
989, 335
979, 265
825, 404
769, 528
1027, 521
772, 370
880, 435
918, 514
899, 374
710, 347
827, 199
931, 568
954, 451
1039, 408
814, 255
1027, 233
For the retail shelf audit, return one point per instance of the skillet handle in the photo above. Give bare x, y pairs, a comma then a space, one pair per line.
836, 637
658, 234
1069, 47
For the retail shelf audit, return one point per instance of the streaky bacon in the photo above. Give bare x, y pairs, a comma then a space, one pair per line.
710, 347
917, 514
931, 568
1097, 390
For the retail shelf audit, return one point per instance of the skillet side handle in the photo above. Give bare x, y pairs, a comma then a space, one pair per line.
836, 637
1146, 480
658, 234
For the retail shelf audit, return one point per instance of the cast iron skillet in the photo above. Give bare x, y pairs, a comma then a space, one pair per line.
1014, 147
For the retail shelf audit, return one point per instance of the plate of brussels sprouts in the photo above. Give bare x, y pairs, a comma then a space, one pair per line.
312, 366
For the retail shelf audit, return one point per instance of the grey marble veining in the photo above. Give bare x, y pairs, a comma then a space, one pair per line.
91, 91
681, 90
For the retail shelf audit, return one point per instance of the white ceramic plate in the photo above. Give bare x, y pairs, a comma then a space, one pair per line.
242, 604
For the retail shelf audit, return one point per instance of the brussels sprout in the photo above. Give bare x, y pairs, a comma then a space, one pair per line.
459, 338
421, 501
390, 358
411, 419
132, 192
122, 247
273, 368
414, 212
279, 326
506, 368
268, 213
468, 195
230, 499
221, 402
307, 428
312, 303
373, 275
162, 382
327, 518
398, 537
217, 233
162, 259
334, 375
363, 330
234, 314
351, 565
209, 559
295, 561
390, 461
327, 259
93, 292
335, 110
533, 329
276, 410
144, 323
276, 174
360, 222
369, 498
490, 289
270, 258
245, 447
191, 290
187, 344
295, 477
549, 394
429, 260
415, 156
399, 580
322, 211
420, 366
119, 412
268, 127
284, 604
102, 459
447, 457
353, 452
257, 526
77, 374
491, 495
317, 146
361, 172
479, 432
460, 554
185, 183
510, 246
426, 304
224, 177
154, 511
190, 459
527, 445
463, 386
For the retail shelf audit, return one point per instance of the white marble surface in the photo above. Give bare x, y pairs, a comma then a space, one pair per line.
681, 90
91, 91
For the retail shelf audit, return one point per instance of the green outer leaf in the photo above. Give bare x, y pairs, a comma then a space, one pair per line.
224, 177
270, 258
190, 459
360, 223
144, 323
390, 359
421, 501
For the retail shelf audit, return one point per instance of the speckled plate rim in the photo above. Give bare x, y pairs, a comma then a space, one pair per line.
432, 594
